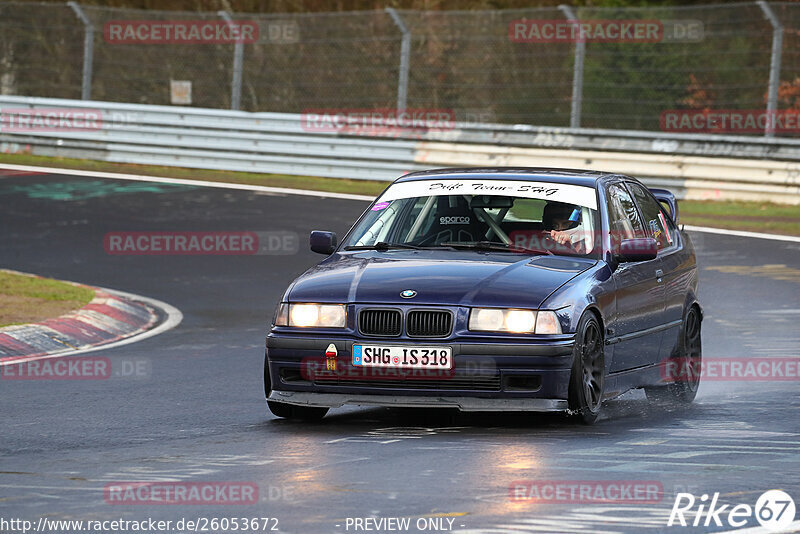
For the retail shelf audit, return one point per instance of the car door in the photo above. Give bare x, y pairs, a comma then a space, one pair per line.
675, 264
638, 288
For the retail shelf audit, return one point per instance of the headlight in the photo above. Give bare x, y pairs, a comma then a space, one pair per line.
310, 315
517, 321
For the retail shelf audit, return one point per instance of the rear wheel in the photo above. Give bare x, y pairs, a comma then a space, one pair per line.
289, 411
687, 380
586, 384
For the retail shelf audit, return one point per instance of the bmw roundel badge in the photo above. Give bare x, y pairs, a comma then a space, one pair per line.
408, 293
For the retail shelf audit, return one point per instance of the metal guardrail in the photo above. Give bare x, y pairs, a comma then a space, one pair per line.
693, 166
626, 141
689, 177
210, 139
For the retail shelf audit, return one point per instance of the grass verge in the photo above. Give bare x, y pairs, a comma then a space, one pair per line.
27, 299
750, 216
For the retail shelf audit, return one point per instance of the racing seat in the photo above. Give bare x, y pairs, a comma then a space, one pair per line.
454, 221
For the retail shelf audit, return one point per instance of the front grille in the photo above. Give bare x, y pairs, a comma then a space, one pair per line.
380, 322
429, 323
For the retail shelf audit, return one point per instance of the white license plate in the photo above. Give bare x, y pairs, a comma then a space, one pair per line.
410, 357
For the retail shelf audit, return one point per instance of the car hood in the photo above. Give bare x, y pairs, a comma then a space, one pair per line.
438, 277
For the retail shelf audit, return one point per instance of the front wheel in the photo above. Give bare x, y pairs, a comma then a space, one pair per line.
685, 367
586, 383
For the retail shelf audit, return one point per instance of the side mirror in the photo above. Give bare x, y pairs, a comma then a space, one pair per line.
323, 242
639, 249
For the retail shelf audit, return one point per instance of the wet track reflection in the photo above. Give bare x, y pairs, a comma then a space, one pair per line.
200, 414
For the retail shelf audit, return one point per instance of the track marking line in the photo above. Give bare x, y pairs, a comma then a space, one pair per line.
306, 192
742, 233
181, 181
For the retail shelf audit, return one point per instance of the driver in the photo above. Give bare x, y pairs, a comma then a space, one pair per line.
561, 222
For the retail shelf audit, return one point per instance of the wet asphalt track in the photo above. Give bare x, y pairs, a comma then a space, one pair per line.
199, 414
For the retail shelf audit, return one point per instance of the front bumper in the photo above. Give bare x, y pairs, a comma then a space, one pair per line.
488, 374
465, 404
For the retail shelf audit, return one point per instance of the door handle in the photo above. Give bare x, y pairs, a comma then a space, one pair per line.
659, 274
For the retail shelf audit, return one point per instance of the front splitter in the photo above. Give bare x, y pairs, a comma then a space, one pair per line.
465, 404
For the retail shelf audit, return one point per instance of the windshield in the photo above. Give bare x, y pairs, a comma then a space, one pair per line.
510, 216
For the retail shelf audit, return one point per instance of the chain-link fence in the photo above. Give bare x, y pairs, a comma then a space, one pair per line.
486, 66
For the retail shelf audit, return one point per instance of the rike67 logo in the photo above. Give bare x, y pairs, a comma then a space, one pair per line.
774, 510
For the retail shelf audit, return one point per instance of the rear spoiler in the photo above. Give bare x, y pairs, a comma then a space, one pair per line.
666, 197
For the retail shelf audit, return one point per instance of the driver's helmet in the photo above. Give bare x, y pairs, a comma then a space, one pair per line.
567, 215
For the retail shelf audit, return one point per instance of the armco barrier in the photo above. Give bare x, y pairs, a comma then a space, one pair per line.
692, 165
690, 177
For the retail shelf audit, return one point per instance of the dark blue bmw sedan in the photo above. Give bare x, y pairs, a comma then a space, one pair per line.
493, 289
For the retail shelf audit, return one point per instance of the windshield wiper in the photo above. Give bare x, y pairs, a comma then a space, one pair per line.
495, 246
383, 245
479, 245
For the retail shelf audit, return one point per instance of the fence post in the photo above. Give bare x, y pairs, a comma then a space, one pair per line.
88, 50
238, 58
774, 66
405, 56
577, 72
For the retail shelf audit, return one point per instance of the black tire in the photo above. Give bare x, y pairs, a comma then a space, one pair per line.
289, 411
587, 380
689, 359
